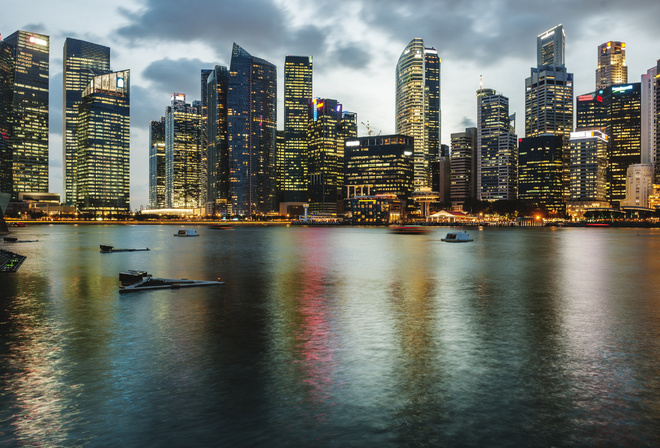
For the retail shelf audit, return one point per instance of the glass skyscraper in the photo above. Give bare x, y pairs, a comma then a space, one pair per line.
418, 104
157, 198
463, 167
27, 152
183, 155
218, 178
82, 62
103, 152
252, 126
6, 119
297, 97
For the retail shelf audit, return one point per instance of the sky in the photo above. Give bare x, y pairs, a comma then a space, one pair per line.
355, 46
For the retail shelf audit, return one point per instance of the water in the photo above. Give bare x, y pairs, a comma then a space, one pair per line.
333, 337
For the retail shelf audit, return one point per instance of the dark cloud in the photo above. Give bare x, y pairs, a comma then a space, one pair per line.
35, 28
351, 55
468, 122
146, 105
181, 75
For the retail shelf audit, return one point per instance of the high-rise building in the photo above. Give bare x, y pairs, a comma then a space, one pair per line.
218, 186
183, 156
82, 62
625, 131
418, 110
612, 68
252, 126
27, 152
383, 163
7, 60
329, 127
541, 171
463, 166
549, 96
496, 158
103, 152
649, 112
205, 195
297, 97
588, 166
657, 125
639, 185
157, 199
591, 111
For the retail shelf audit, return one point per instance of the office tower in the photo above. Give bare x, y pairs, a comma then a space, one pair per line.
328, 129
649, 112
418, 104
157, 198
625, 132
103, 152
382, 164
612, 68
591, 111
252, 108
82, 62
6, 120
203, 138
657, 126
541, 171
280, 141
551, 47
463, 166
496, 158
28, 139
639, 185
183, 155
441, 175
218, 179
588, 166
297, 97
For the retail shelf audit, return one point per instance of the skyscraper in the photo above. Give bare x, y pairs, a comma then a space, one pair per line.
496, 158
297, 97
612, 68
463, 166
541, 171
183, 155
326, 135
252, 125
82, 62
27, 152
657, 123
204, 140
157, 198
649, 112
588, 166
6, 119
218, 186
551, 47
418, 104
103, 152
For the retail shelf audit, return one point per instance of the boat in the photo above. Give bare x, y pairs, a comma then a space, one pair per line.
408, 230
10, 262
11, 239
221, 227
133, 280
457, 237
186, 232
105, 249
19, 224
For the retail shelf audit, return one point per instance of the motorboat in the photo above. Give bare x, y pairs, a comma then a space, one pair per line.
105, 249
186, 232
457, 237
408, 230
134, 280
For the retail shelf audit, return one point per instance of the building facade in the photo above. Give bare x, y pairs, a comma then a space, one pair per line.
157, 197
588, 166
103, 152
252, 126
463, 166
183, 157
639, 185
7, 62
649, 113
217, 150
612, 68
496, 159
294, 179
27, 152
541, 171
82, 62
418, 109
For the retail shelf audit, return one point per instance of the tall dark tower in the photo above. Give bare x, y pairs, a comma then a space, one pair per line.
252, 126
7, 60
28, 140
82, 62
297, 97
157, 164
218, 144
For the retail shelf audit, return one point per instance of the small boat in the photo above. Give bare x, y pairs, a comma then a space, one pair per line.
186, 232
10, 262
108, 249
408, 230
11, 239
459, 237
221, 226
140, 281
19, 224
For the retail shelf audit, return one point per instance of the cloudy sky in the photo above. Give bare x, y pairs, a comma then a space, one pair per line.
355, 45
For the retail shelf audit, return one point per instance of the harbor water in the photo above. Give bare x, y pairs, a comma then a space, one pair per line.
332, 336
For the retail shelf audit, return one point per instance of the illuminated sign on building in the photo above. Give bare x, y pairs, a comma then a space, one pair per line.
353, 143
620, 89
120, 83
37, 41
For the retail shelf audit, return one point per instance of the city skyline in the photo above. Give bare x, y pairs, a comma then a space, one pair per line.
354, 63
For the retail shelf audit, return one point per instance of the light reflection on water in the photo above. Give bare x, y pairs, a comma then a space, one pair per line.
333, 336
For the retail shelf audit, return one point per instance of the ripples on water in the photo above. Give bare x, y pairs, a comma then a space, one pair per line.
333, 337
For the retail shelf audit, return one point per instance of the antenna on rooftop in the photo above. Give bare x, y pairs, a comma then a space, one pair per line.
370, 132
481, 82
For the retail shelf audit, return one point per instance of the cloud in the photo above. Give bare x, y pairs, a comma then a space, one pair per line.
352, 56
181, 75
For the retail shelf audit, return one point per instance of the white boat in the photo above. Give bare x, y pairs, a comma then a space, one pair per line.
186, 232
457, 237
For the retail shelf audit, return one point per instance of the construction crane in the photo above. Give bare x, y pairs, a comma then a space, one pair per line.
370, 131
